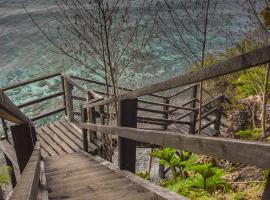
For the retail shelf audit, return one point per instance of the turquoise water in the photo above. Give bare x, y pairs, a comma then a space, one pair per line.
25, 54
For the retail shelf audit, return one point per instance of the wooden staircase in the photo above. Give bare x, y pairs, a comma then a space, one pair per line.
80, 176
67, 174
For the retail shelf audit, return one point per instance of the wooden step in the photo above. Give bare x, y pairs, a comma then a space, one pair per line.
80, 176
84, 177
77, 171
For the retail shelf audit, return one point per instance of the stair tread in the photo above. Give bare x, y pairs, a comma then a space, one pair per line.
77, 177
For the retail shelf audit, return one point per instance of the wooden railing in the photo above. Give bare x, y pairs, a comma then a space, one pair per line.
10, 112
42, 99
20, 138
24, 137
28, 184
251, 153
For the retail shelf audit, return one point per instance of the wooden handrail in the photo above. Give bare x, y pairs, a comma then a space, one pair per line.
207, 125
30, 81
163, 104
166, 121
213, 100
184, 104
151, 110
28, 185
204, 115
85, 90
104, 84
9, 111
230, 149
38, 117
184, 90
245, 61
29, 103
185, 115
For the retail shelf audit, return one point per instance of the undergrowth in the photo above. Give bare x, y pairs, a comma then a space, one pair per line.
201, 181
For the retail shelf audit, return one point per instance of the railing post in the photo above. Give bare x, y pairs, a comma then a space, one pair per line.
64, 96
193, 116
166, 109
218, 112
161, 168
24, 141
69, 101
127, 147
102, 122
84, 131
91, 118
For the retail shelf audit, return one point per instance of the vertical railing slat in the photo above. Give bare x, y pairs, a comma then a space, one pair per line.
127, 147
218, 112
84, 131
69, 102
193, 116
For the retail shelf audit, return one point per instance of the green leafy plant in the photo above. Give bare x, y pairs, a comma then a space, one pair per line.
250, 82
191, 179
168, 157
250, 134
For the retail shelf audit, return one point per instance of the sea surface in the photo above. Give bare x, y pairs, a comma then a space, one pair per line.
25, 53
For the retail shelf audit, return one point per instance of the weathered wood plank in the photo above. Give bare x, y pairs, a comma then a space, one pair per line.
44, 194
159, 191
64, 138
46, 146
28, 184
127, 146
23, 142
69, 134
164, 104
50, 141
165, 121
73, 130
230, 149
9, 111
57, 139
151, 110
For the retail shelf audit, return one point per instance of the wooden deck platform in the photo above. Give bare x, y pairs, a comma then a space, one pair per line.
59, 138
80, 176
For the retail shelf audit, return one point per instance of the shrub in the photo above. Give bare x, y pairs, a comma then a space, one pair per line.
249, 134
